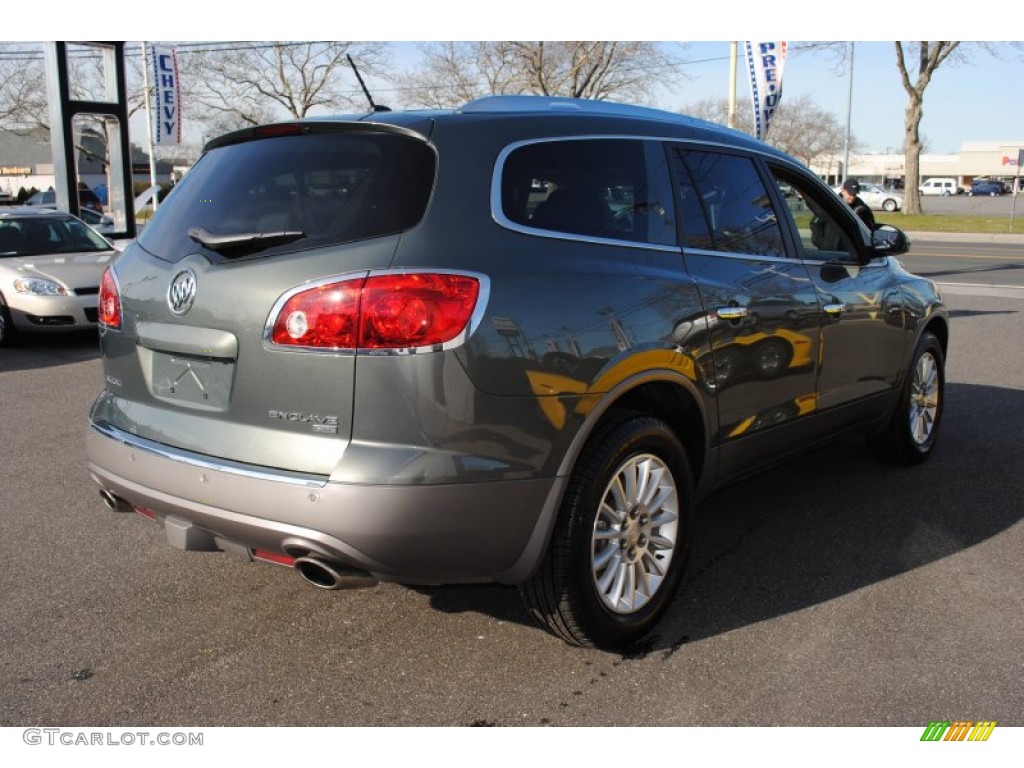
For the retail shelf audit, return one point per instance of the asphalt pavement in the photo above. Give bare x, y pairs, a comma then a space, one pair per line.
833, 590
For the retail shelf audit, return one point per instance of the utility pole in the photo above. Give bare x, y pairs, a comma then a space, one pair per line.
849, 119
732, 83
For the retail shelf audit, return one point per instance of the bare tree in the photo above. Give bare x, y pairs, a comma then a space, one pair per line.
807, 131
929, 56
249, 83
455, 72
23, 104
717, 111
800, 127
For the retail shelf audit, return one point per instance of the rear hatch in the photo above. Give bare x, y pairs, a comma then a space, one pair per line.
264, 212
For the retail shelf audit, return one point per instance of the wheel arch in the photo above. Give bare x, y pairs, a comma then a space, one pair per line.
666, 395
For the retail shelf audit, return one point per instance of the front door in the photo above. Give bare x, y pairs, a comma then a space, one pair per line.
760, 353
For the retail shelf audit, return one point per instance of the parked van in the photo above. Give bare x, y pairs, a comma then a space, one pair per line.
939, 186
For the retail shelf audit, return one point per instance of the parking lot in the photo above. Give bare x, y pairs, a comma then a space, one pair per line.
833, 590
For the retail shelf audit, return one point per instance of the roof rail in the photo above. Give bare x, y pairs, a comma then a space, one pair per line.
565, 104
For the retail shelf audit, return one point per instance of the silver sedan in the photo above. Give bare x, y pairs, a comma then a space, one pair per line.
879, 199
50, 269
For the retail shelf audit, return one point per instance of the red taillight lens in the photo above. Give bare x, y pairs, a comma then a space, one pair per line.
110, 301
324, 317
415, 310
379, 312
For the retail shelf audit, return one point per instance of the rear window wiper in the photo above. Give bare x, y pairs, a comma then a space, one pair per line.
251, 240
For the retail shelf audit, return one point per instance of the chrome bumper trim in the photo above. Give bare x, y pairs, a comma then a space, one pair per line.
206, 462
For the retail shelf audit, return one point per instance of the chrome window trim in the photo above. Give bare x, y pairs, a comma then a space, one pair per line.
498, 213
182, 456
743, 256
474, 320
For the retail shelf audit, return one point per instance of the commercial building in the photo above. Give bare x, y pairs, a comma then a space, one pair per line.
990, 159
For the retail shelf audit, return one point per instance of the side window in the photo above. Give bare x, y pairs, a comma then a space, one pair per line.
726, 206
616, 189
820, 230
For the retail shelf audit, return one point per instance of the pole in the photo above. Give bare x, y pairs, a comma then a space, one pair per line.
1016, 188
849, 118
149, 123
732, 83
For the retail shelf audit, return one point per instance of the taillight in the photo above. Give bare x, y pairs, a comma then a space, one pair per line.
110, 301
387, 311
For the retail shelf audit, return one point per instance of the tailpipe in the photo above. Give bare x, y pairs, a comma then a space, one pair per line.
325, 574
115, 503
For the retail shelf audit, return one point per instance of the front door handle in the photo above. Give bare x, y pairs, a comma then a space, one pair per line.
834, 309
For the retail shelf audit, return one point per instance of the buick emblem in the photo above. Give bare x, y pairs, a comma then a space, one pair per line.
182, 292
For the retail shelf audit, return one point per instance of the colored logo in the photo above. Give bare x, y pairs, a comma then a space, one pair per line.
958, 730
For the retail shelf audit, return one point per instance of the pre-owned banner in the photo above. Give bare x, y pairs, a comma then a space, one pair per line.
167, 92
765, 61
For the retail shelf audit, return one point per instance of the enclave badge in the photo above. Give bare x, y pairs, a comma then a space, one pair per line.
182, 292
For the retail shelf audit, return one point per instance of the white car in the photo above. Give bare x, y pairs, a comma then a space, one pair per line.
878, 199
50, 269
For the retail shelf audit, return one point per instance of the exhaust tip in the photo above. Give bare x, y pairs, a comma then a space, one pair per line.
329, 575
115, 503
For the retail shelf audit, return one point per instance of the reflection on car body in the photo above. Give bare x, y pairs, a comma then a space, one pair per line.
516, 342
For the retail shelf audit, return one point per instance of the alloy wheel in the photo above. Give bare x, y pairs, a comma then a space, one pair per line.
635, 534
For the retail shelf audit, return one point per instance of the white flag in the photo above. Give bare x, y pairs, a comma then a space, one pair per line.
765, 61
167, 92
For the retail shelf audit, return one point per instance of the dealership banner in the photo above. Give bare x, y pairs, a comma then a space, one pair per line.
167, 96
765, 61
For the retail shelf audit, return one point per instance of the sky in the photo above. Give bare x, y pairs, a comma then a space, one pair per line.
977, 100
969, 101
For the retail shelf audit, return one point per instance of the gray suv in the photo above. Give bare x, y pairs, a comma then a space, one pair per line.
514, 343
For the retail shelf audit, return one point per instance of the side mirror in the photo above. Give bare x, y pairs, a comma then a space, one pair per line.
889, 241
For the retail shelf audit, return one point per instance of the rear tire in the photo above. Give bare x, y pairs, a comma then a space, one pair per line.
622, 538
913, 428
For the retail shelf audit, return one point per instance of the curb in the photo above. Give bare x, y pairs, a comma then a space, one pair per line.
968, 237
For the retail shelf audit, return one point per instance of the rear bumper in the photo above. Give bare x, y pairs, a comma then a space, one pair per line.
474, 531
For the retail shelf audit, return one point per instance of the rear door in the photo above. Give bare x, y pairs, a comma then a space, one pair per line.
261, 216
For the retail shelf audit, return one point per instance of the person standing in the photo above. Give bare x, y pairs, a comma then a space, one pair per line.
849, 192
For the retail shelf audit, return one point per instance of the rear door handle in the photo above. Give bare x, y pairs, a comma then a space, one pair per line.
834, 309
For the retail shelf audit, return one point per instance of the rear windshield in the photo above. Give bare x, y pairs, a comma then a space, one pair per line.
321, 188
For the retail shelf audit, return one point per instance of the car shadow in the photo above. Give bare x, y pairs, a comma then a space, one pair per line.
32, 351
825, 525
954, 313
933, 273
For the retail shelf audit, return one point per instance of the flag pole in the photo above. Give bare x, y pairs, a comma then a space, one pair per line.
149, 124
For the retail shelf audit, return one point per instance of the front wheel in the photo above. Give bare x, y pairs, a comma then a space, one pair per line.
622, 538
7, 331
913, 428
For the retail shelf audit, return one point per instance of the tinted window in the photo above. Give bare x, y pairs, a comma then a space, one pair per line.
817, 221
735, 207
607, 188
331, 187
36, 235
